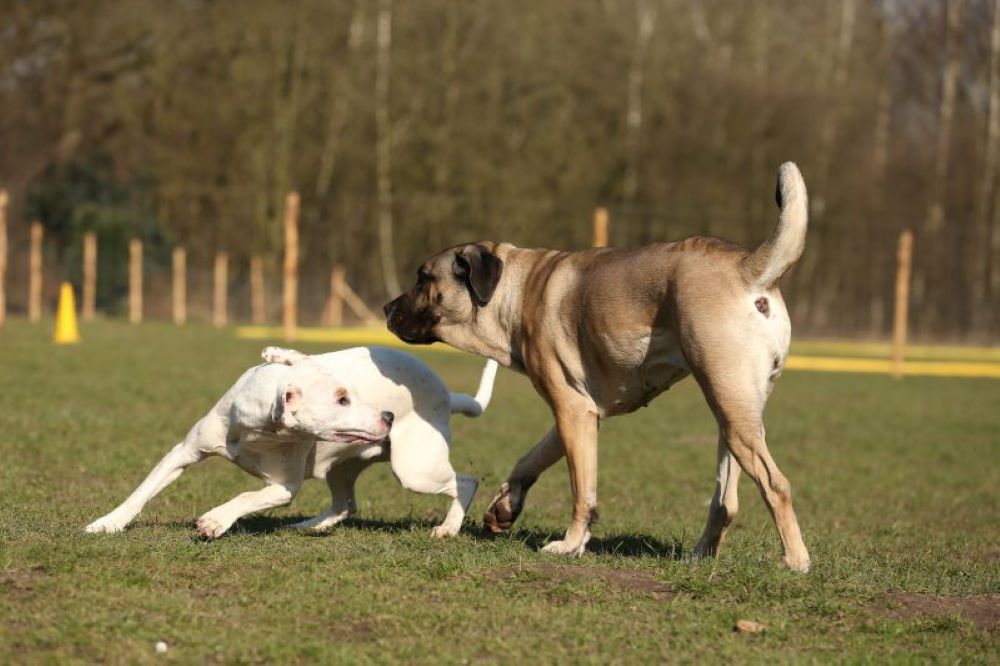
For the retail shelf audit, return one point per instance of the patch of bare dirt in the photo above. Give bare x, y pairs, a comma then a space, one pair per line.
21, 582
359, 631
638, 582
982, 610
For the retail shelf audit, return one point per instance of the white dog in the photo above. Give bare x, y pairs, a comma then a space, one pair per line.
327, 416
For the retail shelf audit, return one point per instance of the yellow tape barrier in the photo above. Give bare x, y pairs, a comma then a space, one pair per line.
382, 337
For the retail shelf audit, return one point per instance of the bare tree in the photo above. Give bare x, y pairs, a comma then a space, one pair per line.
383, 131
934, 223
981, 281
645, 23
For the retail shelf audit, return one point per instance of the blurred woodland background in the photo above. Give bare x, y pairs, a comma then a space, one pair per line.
411, 126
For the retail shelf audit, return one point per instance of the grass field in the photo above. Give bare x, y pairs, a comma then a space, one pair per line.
895, 487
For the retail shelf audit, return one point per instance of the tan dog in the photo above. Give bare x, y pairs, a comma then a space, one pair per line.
602, 332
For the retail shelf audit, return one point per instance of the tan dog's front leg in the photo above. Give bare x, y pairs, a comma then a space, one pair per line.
577, 425
509, 500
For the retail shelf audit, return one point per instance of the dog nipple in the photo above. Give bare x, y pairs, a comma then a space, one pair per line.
762, 306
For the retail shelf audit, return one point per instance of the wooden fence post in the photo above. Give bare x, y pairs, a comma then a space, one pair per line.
219, 308
180, 286
291, 291
601, 227
256, 290
904, 258
135, 281
3, 256
335, 303
35, 273
89, 275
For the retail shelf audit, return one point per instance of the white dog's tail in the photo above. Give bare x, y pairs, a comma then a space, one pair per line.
462, 403
763, 267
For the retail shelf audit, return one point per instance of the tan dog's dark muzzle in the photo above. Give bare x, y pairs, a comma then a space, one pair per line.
412, 325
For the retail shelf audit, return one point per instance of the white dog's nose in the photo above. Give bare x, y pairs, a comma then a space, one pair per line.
387, 418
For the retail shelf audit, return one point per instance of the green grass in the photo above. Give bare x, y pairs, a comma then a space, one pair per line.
895, 487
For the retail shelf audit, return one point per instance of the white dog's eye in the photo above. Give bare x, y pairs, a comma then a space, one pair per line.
343, 401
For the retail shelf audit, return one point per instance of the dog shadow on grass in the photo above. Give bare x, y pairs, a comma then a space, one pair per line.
614, 545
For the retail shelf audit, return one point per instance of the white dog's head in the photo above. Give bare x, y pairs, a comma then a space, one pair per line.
315, 401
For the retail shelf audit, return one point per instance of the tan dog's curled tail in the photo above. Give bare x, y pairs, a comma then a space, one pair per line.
468, 405
763, 267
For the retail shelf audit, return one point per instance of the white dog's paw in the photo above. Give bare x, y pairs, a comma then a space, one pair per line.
444, 532
210, 527
566, 547
280, 355
106, 525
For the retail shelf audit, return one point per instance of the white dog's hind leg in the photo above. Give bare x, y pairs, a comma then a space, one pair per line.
165, 473
465, 487
419, 458
340, 479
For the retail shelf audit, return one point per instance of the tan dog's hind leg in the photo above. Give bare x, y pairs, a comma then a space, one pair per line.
746, 442
725, 503
738, 407
577, 425
509, 500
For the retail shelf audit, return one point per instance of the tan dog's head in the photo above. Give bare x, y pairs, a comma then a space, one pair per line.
452, 287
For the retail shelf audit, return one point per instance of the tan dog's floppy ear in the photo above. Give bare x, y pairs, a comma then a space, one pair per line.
481, 270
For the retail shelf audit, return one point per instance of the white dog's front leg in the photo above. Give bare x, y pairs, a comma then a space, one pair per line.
165, 473
216, 522
341, 478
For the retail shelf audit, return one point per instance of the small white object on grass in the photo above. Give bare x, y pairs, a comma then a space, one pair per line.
161, 647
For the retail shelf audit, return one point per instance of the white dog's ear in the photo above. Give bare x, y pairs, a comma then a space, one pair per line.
286, 404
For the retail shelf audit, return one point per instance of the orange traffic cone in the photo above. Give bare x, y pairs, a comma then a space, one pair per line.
66, 330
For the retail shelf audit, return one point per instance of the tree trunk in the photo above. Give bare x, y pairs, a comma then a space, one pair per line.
338, 105
879, 243
290, 56
924, 289
980, 248
823, 294
645, 24
383, 148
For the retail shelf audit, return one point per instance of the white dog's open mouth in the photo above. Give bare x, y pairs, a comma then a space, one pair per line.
354, 437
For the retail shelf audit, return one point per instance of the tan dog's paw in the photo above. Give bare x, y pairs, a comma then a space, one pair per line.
444, 532
565, 548
209, 528
704, 549
572, 547
799, 564
503, 510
